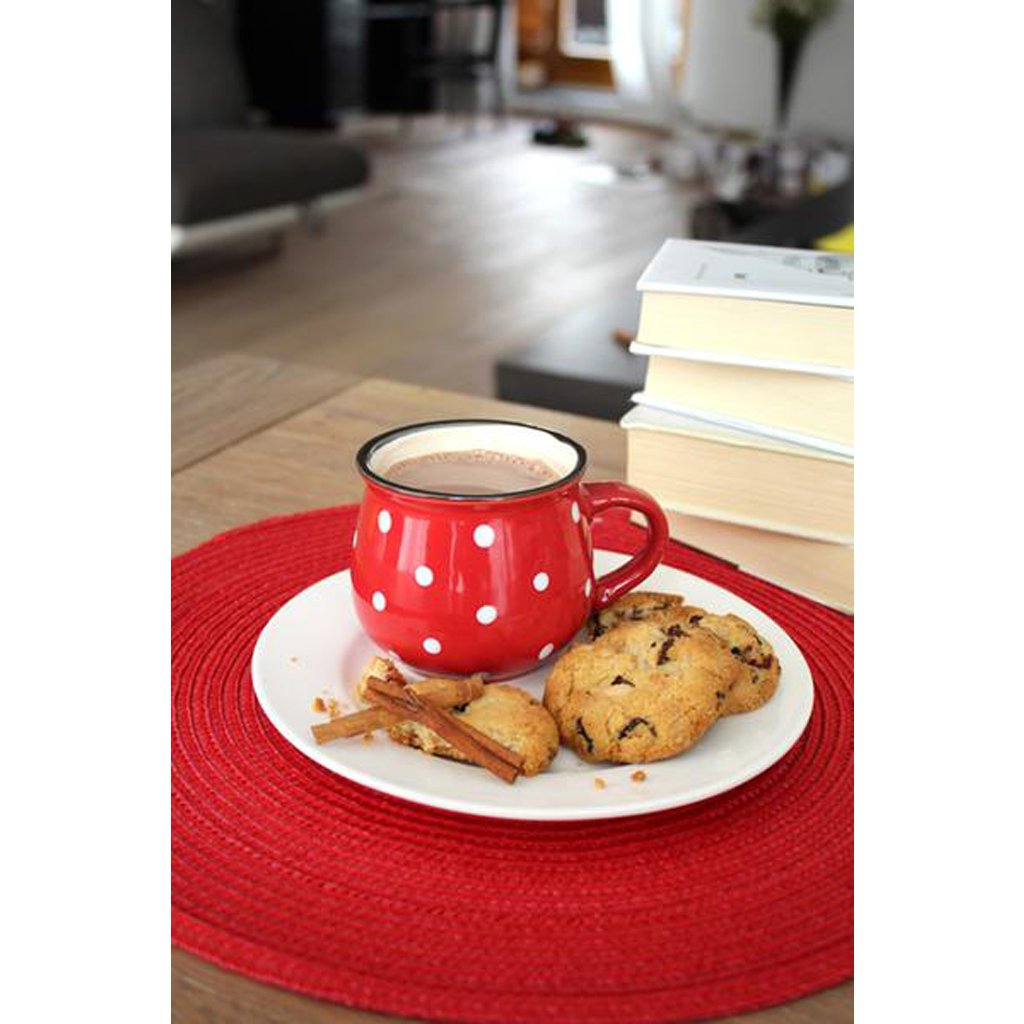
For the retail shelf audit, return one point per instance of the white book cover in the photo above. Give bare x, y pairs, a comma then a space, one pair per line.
733, 429
750, 272
638, 348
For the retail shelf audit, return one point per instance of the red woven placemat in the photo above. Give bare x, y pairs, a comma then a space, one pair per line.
289, 874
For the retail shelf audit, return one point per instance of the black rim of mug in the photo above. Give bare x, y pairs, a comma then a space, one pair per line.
371, 447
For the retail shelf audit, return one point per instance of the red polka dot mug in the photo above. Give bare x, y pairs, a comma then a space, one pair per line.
455, 583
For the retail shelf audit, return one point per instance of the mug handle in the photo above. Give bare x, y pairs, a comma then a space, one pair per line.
600, 497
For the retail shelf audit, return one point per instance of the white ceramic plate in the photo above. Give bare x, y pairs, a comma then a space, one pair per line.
313, 646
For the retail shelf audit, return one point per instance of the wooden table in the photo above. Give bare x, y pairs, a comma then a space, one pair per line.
303, 462
223, 398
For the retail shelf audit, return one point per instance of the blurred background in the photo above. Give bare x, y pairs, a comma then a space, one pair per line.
463, 194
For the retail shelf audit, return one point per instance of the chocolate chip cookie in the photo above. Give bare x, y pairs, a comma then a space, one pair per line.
640, 692
759, 668
640, 604
507, 714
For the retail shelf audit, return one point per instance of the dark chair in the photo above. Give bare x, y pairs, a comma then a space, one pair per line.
465, 49
228, 177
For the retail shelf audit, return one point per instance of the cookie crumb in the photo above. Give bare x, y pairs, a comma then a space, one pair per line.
294, 659
319, 705
367, 737
638, 776
599, 783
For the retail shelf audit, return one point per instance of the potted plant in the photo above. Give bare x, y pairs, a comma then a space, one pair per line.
790, 22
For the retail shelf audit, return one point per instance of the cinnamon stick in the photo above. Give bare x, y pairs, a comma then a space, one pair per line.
488, 743
355, 724
471, 743
448, 693
463, 739
445, 693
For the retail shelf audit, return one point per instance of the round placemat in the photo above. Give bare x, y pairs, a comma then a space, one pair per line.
287, 873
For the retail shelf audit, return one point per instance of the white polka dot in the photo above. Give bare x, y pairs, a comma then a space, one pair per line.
424, 575
545, 651
486, 614
575, 512
541, 581
483, 536
383, 520
432, 646
379, 601
588, 587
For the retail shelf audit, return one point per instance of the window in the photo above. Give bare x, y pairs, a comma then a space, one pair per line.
583, 29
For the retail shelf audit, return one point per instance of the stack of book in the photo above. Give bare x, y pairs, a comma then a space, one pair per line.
744, 428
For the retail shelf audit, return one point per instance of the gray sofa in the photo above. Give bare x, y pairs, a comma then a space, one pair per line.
229, 178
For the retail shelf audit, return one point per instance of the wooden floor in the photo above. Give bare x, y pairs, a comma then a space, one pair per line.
465, 248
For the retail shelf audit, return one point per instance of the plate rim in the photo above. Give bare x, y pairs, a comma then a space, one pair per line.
647, 805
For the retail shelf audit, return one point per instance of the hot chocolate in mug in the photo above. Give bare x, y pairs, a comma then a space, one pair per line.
454, 583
